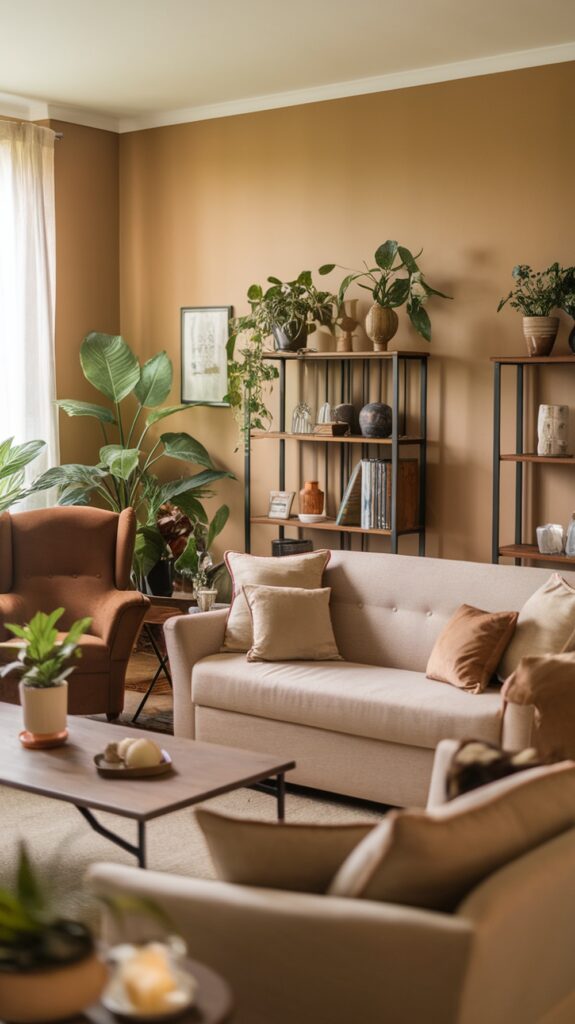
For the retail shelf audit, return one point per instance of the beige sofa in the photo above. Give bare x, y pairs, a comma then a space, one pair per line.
504, 957
366, 727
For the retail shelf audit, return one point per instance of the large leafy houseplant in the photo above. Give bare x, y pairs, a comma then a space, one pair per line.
288, 310
124, 474
13, 461
395, 280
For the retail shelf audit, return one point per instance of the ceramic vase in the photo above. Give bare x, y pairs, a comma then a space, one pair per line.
540, 333
552, 430
311, 499
290, 337
53, 993
551, 539
376, 419
44, 711
380, 325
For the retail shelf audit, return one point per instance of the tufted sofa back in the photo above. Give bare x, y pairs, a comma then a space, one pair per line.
65, 557
389, 609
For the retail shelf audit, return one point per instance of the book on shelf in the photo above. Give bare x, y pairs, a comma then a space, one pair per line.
366, 501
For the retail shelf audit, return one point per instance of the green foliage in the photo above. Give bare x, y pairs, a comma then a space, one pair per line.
195, 562
123, 474
13, 460
567, 303
536, 292
43, 660
394, 281
296, 306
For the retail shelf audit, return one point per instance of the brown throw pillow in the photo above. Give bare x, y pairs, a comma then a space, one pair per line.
290, 624
302, 858
305, 571
469, 648
433, 859
549, 684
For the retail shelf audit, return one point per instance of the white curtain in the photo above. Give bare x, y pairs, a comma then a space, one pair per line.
27, 292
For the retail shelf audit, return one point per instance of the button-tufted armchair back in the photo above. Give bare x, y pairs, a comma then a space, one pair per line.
67, 557
389, 610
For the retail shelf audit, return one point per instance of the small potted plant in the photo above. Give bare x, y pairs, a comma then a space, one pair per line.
44, 665
396, 280
49, 967
536, 294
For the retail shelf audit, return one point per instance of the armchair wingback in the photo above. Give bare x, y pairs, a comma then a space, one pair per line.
78, 559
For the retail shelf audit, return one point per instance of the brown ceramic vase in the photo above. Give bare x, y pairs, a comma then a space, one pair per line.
311, 499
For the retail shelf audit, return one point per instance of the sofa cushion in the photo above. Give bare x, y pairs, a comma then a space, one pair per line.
546, 625
304, 571
291, 624
467, 651
361, 700
299, 857
548, 684
433, 859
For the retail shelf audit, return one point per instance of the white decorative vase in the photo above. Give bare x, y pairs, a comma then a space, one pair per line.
44, 711
552, 430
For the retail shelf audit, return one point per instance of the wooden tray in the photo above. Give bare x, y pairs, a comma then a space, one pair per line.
115, 771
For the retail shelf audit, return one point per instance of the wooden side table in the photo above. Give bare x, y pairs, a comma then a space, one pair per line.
213, 1006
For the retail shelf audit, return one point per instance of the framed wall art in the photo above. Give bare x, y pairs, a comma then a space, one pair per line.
204, 336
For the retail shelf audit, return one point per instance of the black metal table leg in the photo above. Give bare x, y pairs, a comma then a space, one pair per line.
162, 667
281, 795
137, 850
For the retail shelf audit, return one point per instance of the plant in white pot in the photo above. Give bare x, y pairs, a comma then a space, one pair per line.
536, 294
44, 664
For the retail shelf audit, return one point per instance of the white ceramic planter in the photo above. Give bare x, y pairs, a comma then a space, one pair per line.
44, 708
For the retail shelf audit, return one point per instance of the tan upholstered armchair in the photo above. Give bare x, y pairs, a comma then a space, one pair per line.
78, 559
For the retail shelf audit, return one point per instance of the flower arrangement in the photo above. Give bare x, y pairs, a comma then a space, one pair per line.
536, 292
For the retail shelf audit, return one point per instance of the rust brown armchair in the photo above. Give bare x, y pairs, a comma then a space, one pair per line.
78, 559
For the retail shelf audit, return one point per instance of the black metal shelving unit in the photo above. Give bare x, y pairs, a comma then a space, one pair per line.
519, 551
352, 365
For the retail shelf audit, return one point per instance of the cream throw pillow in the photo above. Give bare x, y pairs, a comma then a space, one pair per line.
305, 571
433, 859
291, 624
272, 855
546, 625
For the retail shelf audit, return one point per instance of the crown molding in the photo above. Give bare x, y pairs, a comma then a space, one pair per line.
29, 109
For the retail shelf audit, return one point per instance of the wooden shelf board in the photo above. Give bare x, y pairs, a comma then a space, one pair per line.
328, 524
261, 435
306, 356
531, 457
532, 552
526, 360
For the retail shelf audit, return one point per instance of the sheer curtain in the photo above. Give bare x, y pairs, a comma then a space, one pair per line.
27, 292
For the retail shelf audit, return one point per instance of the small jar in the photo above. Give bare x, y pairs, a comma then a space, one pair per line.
311, 499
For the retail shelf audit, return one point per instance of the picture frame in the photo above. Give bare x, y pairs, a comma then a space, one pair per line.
204, 334
280, 504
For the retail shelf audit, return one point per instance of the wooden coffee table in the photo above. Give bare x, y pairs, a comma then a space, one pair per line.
200, 772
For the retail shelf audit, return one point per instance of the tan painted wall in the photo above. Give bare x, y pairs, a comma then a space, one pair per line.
87, 267
479, 172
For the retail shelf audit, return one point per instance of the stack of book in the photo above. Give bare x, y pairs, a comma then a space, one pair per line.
366, 501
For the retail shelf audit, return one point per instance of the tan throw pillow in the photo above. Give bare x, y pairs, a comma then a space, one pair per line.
290, 624
432, 860
305, 571
549, 684
468, 649
303, 858
546, 625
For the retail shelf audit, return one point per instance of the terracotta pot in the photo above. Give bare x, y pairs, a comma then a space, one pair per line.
54, 993
311, 499
380, 325
288, 338
540, 333
44, 708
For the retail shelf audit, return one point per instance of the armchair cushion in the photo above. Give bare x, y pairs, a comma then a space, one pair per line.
434, 859
273, 855
548, 683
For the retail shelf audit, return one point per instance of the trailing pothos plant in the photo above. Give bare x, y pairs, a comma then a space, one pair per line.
396, 280
124, 475
13, 461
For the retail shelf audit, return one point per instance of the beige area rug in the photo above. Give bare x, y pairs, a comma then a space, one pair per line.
62, 845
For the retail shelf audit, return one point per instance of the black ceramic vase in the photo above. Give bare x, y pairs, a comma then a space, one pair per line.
572, 338
290, 337
375, 420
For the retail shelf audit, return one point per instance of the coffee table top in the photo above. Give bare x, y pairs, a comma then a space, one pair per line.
200, 770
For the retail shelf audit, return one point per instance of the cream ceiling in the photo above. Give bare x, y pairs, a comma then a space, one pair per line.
134, 63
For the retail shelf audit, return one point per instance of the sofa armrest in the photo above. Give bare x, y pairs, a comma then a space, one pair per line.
297, 957
443, 754
12, 609
116, 619
189, 638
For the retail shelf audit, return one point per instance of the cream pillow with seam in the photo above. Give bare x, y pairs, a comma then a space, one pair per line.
291, 624
546, 625
305, 571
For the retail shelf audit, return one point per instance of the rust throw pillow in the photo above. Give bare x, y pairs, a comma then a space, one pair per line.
470, 646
